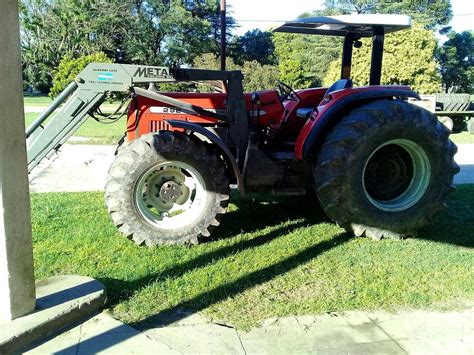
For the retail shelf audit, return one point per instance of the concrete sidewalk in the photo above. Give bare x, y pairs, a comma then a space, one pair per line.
83, 167
77, 168
404, 332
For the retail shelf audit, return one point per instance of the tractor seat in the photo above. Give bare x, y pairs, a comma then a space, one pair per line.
339, 85
304, 112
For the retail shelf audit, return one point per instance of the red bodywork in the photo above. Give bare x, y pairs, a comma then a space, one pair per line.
329, 101
146, 115
152, 114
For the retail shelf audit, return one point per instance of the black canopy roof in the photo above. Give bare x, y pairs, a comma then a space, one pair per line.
361, 25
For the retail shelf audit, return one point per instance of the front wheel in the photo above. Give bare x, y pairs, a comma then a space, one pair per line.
166, 189
385, 169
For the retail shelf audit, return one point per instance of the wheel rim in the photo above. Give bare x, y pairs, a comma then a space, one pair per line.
396, 175
170, 195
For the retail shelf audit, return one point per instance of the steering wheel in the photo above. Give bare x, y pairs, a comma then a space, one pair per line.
287, 92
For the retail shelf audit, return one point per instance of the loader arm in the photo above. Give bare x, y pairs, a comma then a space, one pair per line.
90, 88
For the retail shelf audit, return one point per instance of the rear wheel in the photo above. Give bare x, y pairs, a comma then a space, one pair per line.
166, 189
385, 169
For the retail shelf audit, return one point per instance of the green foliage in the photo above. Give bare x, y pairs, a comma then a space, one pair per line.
430, 13
456, 58
69, 68
259, 77
159, 32
212, 61
303, 60
254, 45
53, 29
408, 60
256, 76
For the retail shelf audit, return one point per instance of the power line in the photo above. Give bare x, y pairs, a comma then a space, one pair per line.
263, 20
257, 20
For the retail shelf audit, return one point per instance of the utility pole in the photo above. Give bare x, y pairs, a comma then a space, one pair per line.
17, 282
223, 34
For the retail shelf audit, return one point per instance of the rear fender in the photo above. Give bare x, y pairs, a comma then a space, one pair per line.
333, 107
218, 143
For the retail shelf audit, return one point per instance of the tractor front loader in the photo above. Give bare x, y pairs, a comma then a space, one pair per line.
379, 165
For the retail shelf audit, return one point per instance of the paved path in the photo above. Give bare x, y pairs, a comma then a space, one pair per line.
465, 159
35, 108
76, 168
407, 332
84, 168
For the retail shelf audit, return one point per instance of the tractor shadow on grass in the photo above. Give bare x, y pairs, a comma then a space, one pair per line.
258, 211
254, 213
231, 289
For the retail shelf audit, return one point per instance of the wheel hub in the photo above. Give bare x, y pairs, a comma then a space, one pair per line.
170, 195
170, 191
396, 175
388, 173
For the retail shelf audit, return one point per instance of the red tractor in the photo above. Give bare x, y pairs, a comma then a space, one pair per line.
379, 166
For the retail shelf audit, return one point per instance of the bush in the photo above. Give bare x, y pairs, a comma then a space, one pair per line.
69, 68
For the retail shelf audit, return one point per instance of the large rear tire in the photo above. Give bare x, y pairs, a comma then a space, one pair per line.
385, 169
166, 189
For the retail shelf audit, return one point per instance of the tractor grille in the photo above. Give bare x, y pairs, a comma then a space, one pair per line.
156, 126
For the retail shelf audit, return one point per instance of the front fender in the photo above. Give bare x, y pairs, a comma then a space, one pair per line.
219, 144
330, 113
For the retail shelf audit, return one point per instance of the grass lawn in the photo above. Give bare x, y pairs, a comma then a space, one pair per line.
270, 257
43, 100
462, 138
97, 132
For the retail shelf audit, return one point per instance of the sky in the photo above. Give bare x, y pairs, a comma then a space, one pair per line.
267, 11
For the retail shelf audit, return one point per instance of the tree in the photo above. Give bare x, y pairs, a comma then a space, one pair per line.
303, 60
408, 60
259, 77
153, 32
254, 45
256, 76
177, 31
53, 29
69, 68
456, 58
431, 13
